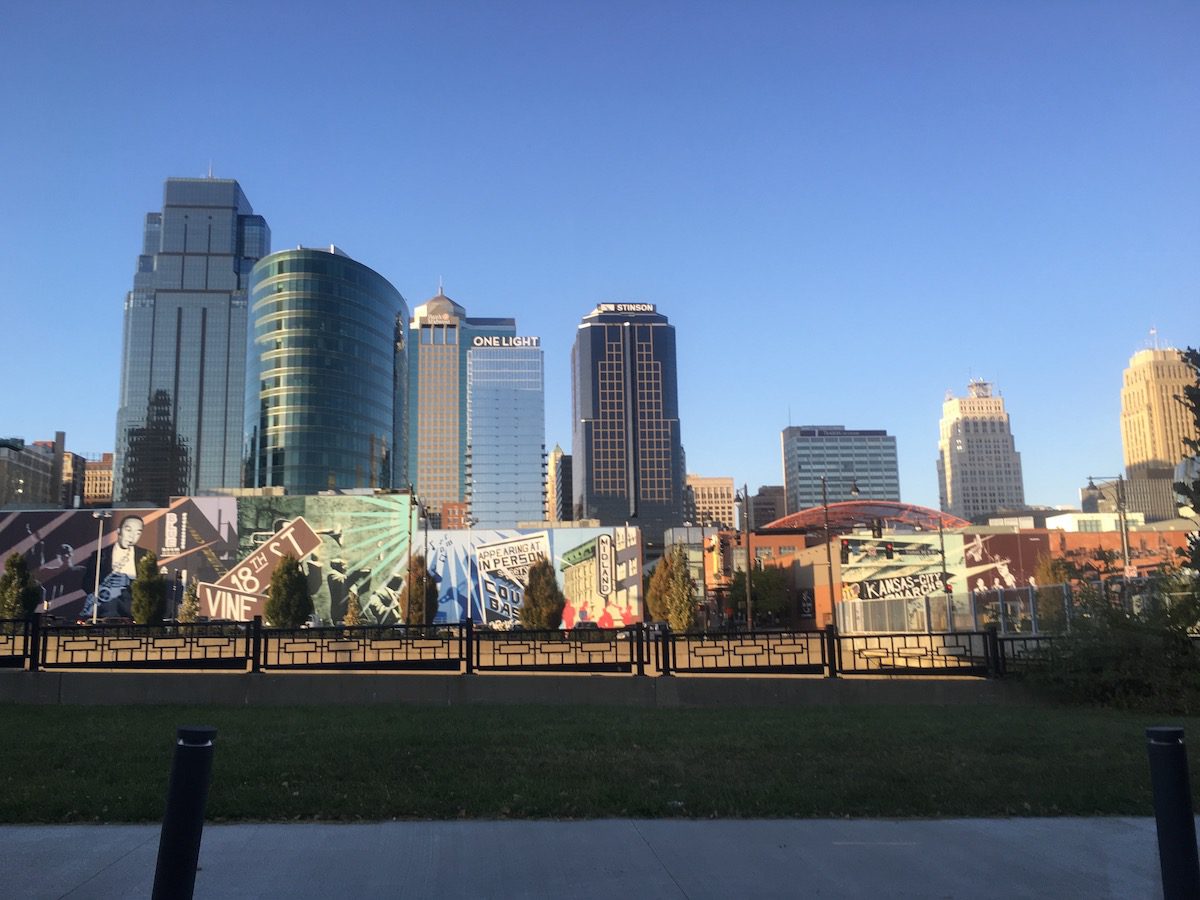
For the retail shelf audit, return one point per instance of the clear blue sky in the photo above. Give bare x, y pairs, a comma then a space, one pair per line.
845, 208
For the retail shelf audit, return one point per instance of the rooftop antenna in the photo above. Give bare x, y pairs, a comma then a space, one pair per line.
210, 174
441, 293
1154, 336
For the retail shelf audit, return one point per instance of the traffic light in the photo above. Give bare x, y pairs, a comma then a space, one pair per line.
845, 551
889, 550
947, 586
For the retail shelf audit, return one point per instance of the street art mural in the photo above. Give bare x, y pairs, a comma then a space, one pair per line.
76, 557
364, 552
349, 545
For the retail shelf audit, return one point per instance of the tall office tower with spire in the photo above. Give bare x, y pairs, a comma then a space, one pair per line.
978, 466
440, 336
1154, 421
179, 419
628, 463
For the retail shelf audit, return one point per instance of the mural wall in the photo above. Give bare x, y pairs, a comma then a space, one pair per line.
193, 538
365, 548
352, 545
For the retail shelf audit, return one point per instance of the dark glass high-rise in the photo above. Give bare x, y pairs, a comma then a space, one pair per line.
179, 419
628, 464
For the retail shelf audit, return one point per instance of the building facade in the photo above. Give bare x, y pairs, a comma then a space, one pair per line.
710, 501
29, 477
506, 430
846, 458
978, 466
98, 481
440, 336
558, 486
179, 419
768, 504
326, 375
627, 453
1154, 423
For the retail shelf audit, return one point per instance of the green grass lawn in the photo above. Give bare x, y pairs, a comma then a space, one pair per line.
82, 764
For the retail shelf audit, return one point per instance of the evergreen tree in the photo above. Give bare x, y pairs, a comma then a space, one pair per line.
19, 591
149, 592
658, 587
420, 593
353, 614
189, 609
288, 602
542, 607
680, 598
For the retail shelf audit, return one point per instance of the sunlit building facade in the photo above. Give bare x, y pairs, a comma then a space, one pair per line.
978, 466
440, 335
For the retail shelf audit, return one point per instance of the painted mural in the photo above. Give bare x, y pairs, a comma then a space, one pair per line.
350, 545
79, 559
364, 553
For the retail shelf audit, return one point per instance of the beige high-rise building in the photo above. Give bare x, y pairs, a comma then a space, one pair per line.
978, 466
558, 486
98, 481
710, 500
1154, 423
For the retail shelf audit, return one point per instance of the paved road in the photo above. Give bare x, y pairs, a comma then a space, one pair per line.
1009, 858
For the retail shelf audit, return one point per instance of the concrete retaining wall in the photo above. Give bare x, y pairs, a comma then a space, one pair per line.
306, 689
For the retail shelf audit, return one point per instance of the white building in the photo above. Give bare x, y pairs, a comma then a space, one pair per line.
978, 466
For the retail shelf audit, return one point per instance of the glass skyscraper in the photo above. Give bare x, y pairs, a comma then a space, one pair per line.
179, 419
506, 431
440, 334
627, 454
326, 385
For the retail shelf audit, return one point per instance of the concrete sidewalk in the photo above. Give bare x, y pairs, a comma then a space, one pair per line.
975, 858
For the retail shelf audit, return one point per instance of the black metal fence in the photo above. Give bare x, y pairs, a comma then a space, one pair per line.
463, 649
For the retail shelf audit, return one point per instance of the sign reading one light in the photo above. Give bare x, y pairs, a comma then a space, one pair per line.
510, 341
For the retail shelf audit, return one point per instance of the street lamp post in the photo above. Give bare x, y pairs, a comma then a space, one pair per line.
471, 523
828, 547
743, 505
1122, 519
100, 516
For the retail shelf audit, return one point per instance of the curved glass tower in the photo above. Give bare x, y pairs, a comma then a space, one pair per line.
326, 375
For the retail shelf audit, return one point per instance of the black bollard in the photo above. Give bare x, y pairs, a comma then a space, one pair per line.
1173, 813
183, 822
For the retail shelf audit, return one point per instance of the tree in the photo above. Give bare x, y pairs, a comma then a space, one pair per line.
1191, 489
149, 591
768, 591
420, 593
671, 595
353, 614
542, 606
189, 609
19, 591
288, 602
656, 589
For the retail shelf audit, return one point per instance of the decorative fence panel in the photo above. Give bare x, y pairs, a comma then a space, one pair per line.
579, 650
965, 653
781, 652
14, 642
191, 646
439, 648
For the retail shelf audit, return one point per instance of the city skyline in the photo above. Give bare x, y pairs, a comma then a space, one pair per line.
843, 212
